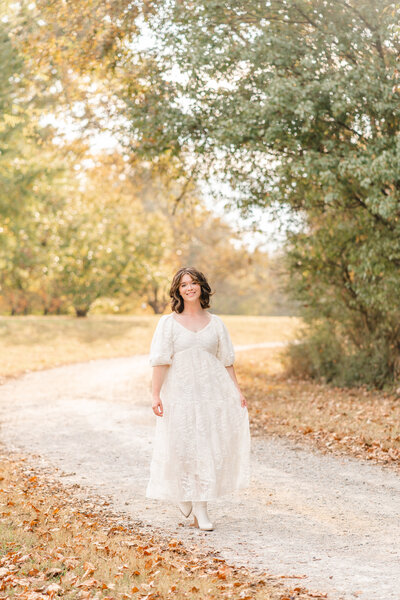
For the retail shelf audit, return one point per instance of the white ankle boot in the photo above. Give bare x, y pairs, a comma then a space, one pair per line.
201, 518
185, 508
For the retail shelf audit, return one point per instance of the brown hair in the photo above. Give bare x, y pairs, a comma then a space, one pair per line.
177, 304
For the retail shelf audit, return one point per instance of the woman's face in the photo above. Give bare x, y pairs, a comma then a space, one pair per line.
189, 289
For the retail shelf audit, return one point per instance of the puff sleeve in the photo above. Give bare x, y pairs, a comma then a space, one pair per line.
161, 349
225, 351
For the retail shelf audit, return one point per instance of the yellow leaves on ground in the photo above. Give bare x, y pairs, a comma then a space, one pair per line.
57, 545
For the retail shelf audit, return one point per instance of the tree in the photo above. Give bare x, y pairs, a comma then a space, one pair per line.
244, 281
297, 103
106, 240
29, 169
65, 238
241, 278
85, 68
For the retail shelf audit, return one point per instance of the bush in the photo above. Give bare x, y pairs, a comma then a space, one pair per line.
316, 356
327, 356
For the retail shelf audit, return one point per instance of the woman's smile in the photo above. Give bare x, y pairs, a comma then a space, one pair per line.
189, 288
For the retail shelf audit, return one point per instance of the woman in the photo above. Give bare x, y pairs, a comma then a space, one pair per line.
202, 440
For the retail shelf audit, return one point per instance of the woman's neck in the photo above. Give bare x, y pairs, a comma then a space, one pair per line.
192, 310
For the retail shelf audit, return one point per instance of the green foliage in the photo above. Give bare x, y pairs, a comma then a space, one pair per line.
68, 235
28, 170
297, 103
318, 355
75, 235
327, 355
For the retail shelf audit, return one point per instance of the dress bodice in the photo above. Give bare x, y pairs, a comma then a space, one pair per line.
185, 339
171, 338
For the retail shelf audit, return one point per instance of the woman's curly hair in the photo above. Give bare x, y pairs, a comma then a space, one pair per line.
177, 303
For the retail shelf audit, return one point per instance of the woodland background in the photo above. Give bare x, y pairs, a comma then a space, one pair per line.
84, 229
293, 106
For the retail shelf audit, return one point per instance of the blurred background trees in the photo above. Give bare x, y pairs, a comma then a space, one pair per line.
103, 230
292, 105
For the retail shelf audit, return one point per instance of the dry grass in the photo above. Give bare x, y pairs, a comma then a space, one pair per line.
254, 330
33, 343
355, 421
52, 544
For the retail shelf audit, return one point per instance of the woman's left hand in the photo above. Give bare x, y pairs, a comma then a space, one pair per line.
243, 401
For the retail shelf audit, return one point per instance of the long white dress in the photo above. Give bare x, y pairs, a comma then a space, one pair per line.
202, 442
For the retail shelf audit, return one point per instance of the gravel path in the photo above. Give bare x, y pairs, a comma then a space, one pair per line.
331, 523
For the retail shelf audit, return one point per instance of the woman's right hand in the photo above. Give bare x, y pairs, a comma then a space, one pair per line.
157, 407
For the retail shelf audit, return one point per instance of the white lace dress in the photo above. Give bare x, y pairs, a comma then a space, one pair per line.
202, 442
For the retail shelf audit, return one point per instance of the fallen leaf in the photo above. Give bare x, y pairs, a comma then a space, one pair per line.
53, 572
88, 583
54, 588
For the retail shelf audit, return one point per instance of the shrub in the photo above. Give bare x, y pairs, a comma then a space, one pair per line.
326, 355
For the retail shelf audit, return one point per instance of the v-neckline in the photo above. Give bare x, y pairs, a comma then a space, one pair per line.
191, 330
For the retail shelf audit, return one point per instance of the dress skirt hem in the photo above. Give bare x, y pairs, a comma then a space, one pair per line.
154, 495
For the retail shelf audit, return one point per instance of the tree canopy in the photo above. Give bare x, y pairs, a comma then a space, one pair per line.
296, 103
81, 228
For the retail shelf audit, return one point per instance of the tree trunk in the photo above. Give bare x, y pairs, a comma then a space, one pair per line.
158, 305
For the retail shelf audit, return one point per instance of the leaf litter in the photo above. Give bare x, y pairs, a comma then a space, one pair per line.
357, 422
56, 544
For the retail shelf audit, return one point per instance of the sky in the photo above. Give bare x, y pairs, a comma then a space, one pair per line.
269, 236
271, 228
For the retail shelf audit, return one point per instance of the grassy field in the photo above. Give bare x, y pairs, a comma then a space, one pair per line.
32, 343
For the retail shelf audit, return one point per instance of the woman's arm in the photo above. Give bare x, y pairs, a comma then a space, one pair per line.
231, 371
159, 373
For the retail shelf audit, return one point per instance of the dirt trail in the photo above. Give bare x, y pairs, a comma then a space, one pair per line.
334, 520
